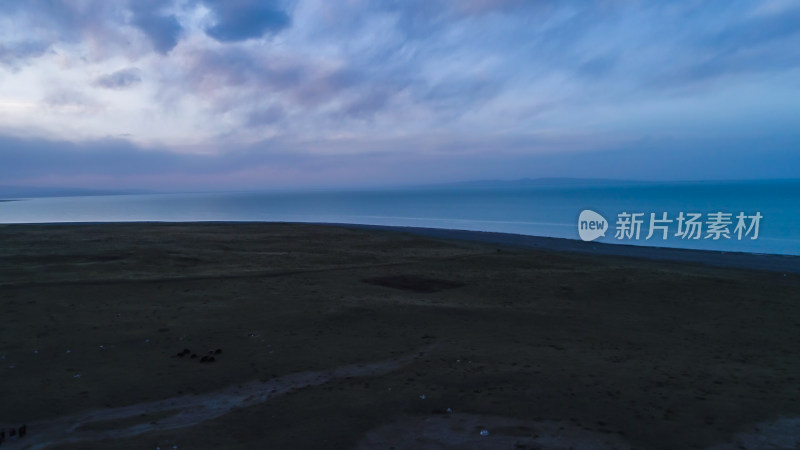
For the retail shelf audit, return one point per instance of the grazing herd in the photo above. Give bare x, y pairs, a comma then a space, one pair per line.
209, 358
13, 433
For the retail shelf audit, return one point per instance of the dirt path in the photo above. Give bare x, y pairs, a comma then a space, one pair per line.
186, 411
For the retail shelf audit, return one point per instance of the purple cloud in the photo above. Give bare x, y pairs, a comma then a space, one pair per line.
120, 79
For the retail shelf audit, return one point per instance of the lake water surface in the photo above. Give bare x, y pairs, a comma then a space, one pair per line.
541, 210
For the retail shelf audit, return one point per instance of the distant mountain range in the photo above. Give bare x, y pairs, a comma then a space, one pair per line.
15, 192
522, 182
587, 182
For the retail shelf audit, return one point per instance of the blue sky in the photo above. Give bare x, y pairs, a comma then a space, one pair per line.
214, 94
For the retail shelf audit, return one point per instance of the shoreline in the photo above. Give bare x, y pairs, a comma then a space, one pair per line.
735, 260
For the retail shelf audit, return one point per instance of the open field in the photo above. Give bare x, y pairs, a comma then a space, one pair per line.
334, 337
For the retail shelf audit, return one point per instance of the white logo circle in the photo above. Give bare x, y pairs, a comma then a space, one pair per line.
591, 225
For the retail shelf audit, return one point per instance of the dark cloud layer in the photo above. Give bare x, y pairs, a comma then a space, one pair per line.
12, 53
671, 159
265, 116
162, 29
69, 21
239, 20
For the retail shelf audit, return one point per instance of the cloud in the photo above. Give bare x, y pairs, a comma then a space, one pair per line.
11, 54
109, 161
162, 29
120, 79
38, 157
747, 43
240, 20
53, 21
265, 116
481, 75
236, 78
368, 103
757, 30
276, 163
597, 66
69, 101
486, 6
103, 24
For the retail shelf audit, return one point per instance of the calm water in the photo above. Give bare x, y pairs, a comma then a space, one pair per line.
534, 210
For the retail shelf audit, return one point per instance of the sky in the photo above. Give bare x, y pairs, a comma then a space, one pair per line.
249, 94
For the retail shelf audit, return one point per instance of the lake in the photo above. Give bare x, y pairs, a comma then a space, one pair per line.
539, 209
